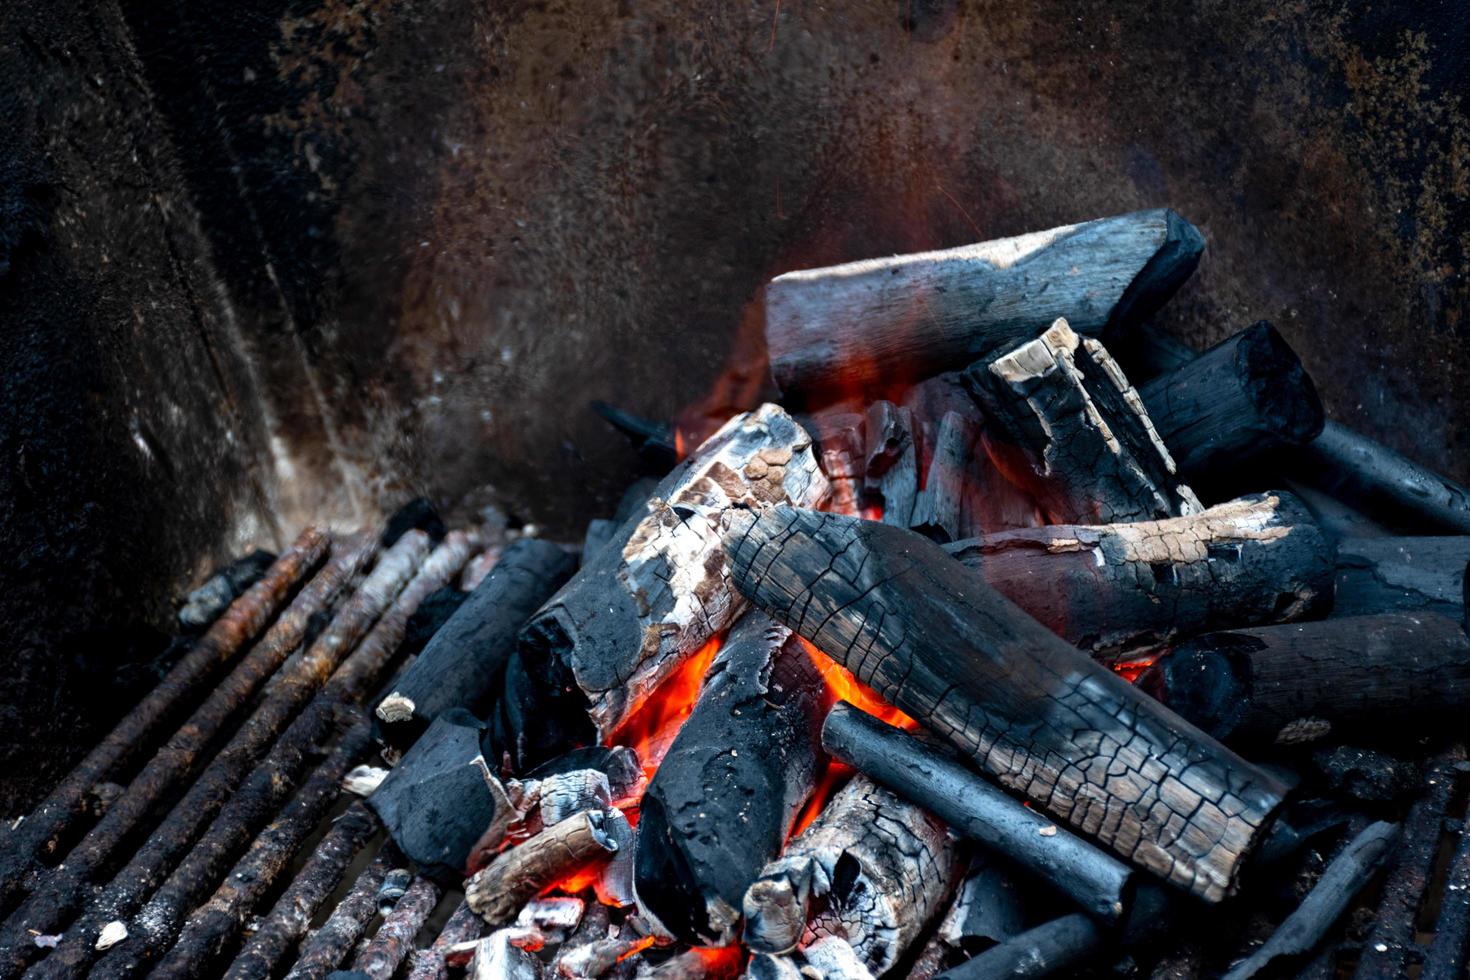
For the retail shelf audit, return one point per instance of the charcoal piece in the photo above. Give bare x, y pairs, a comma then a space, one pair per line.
1049, 948
461, 666
872, 868
891, 462
1366, 775
204, 605
599, 534
1336, 519
930, 777
439, 800
987, 910
1389, 574
1114, 588
419, 513
1380, 481
429, 618
949, 502
834, 959
1345, 876
615, 886
1065, 425
840, 445
1246, 395
933, 639
627, 620
498, 958
893, 320
617, 762
733, 782
1297, 683
498, 891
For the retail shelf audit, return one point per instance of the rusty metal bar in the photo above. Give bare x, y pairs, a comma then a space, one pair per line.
329, 945
62, 892
393, 941
265, 789
40, 834
289, 918
214, 925
429, 964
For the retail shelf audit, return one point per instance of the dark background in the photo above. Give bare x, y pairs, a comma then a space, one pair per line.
266, 261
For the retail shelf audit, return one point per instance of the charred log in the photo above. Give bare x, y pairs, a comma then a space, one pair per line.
933, 639
1296, 683
1376, 575
891, 463
725, 797
873, 869
950, 503
1114, 587
1096, 881
653, 597
911, 316
497, 892
1038, 952
1066, 426
1246, 395
1348, 873
461, 666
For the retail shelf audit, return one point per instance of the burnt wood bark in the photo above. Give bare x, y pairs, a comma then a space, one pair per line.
1298, 682
1347, 874
1376, 575
907, 317
873, 869
1066, 426
726, 794
1246, 395
497, 892
933, 639
891, 464
1112, 588
461, 666
1095, 880
654, 596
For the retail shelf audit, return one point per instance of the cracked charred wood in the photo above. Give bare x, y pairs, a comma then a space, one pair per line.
1066, 426
204, 605
873, 869
653, 597
988, 909
1346, 875
1039, 952
891, 462
461, 666
393, 941
1376, 575
933, 639
287, 922
928, 776
907, 317
497, 892
1246, 395
442, 796
41, 832
325, 948
731, 786
1296, 683
1112, 588
245, 804
950, 502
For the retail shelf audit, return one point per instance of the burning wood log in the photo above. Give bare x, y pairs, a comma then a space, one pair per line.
41, 832
1296, 683
461, 665
726, 794
911, 316
653, 597
1246, 395
1348, 873
1110, 588
1376, 575
933, 639
497, 892
1066, 426
891, 462
1096, 881
872, 868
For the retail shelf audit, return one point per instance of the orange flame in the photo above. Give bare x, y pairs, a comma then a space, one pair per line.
1132, 669
637, 948
650, 730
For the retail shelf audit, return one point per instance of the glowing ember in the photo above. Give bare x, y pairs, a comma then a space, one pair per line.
637, 948
1132, 669
651, 729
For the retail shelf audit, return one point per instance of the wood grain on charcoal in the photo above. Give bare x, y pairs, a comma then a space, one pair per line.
932, 638
908, 317
1111, 588
497, 892
1065, 425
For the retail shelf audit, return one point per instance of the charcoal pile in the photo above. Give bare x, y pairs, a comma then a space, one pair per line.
1016, 640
